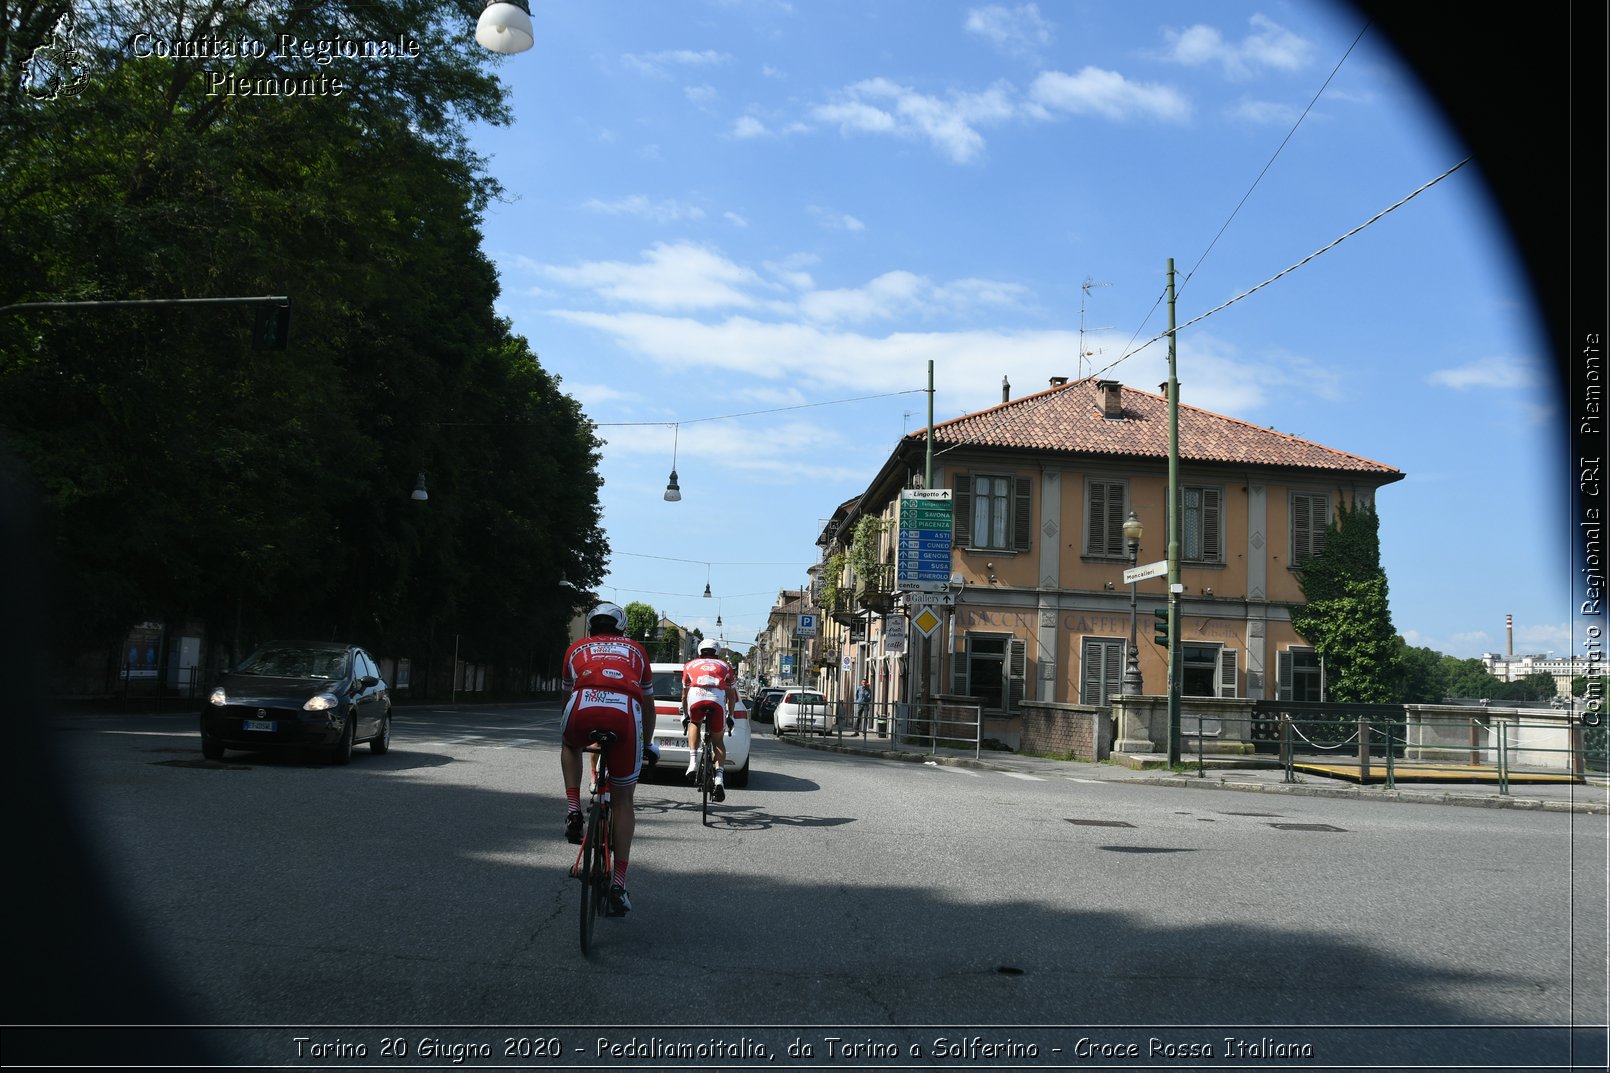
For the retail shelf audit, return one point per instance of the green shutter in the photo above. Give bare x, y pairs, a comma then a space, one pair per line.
961, 511
1022, 517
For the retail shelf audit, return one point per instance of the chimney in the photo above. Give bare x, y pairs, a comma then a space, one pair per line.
1006, 390
1112, 398
1058, 381
1509, 632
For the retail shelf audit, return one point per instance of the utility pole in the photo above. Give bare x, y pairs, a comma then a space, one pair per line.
1173, 533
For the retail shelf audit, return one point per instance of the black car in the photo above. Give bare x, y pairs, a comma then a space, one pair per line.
299, 693
764, 702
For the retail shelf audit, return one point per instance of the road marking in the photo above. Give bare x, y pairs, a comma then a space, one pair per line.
1022, 775
952, 770
1088, 782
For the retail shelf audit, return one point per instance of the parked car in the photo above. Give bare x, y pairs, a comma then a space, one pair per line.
802, 710
762, 704
673, 740
299, 693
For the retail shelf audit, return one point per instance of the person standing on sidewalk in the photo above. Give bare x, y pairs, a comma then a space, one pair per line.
863, 705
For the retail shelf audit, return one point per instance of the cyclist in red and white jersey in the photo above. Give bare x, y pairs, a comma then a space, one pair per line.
709, 697
610, 684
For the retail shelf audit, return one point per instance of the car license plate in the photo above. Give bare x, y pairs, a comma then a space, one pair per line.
258, 724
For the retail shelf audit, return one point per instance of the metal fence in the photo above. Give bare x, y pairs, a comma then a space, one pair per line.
934, 724
1393, 743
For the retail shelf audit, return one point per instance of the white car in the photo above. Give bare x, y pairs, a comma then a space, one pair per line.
673, 740
801, 710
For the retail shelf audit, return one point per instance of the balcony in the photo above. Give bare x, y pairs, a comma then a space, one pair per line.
874, 589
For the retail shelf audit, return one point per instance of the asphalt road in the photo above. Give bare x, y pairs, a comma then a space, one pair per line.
416, 905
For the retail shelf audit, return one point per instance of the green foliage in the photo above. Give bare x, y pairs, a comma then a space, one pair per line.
1469, 679
184, 475
1422, 678
1346, 616
641, 621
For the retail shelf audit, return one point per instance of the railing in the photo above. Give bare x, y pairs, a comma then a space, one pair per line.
952, 725
1505, 746
144, 683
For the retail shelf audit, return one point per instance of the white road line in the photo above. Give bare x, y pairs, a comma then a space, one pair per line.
954, 770
1022, 775
1089, 782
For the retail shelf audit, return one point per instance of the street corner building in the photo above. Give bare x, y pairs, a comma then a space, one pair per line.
1036, 610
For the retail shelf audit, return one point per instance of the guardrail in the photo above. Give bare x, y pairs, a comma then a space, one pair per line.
1506, 746
936, 723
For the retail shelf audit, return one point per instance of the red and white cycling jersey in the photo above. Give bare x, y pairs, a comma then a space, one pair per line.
707, 681
607, 665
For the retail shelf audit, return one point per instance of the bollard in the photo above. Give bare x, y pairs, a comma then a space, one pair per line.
1363, 750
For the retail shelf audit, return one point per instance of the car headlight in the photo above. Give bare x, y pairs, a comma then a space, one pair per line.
218, 697
321, 702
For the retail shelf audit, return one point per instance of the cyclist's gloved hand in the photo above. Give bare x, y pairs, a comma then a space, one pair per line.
731, 726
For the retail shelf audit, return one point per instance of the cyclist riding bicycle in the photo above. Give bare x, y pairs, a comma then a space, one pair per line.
609, 684
709, 697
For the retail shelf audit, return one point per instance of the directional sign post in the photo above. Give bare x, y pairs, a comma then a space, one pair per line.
923, 560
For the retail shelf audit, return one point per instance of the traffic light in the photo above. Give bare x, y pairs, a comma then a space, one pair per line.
1160, 636
273, 327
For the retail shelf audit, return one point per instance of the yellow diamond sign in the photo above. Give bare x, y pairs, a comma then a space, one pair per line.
926, 621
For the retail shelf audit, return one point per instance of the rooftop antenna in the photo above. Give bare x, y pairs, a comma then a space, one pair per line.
1085, 287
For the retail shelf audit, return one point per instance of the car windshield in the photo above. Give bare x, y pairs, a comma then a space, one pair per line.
806, 698
290, 661
668, 684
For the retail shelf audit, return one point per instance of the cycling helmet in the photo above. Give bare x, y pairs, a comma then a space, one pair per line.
612, 614
708, 644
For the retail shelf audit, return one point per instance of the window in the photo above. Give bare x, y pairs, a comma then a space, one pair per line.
1207, 671
991, 512
1299, 675
1105, 506
1101, 670
1310, 514
993, 668
1201, 525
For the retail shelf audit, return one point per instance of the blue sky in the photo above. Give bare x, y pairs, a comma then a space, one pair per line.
766, 208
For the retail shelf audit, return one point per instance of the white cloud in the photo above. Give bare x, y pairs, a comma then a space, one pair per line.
638, 205
703, 95
1107, 94
734, 219
1265, 113
881, 106
747, 126
1018, 31
837, 221
1486, 373
659, 64
670, 276
1269, 46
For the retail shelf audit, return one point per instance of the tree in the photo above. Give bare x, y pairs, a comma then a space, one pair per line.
641, 622
183, 475
1422, 677
1346, 615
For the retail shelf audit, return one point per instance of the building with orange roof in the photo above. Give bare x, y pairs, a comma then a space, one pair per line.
1038, 609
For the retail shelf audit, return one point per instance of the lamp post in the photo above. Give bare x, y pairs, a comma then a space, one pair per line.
505, 26
1132, 534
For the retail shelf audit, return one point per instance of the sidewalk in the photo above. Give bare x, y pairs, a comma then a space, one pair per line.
1231, 773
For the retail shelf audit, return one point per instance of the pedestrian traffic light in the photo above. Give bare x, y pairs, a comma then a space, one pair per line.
1160, 626
273, 327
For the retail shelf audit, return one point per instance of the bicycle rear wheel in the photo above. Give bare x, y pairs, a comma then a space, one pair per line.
594, 873
706, 780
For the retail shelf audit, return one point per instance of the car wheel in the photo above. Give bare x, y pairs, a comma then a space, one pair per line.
380, 744
342, 753
211, 749
739, 778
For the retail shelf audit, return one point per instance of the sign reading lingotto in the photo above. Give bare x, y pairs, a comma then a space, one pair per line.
922, 561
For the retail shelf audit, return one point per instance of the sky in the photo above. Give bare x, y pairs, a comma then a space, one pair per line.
739, 231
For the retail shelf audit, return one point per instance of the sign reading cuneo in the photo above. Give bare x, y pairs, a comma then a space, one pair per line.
922, 559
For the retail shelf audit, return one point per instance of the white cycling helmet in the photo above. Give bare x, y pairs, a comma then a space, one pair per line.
708, 644
615, 614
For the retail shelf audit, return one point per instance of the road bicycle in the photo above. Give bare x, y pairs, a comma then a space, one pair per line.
595, 860
704, 775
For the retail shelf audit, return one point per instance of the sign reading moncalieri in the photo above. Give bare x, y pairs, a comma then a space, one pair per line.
922, 560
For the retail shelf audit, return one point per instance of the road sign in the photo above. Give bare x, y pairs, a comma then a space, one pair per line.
926, 621
923, 544
1141, 573
929, 599
807, 626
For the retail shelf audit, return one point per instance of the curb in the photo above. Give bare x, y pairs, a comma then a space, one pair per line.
1406, 797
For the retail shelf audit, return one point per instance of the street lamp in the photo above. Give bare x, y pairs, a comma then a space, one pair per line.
1132, 534
505, 26
673, 491
419, 495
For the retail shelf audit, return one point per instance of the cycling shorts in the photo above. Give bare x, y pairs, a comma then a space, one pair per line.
706, 705
590, 709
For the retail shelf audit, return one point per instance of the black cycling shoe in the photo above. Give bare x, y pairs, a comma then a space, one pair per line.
719, 793
619, 904
573, 828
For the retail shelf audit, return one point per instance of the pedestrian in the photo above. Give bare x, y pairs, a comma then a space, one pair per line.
863, 702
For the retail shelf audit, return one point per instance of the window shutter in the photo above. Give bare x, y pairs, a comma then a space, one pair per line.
1320, 522
1283, 675
1212, 545
1016, 672
1090, 664
961, 511
1227, 672
958, 672
1022, 536
1113, 667
1104, 528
